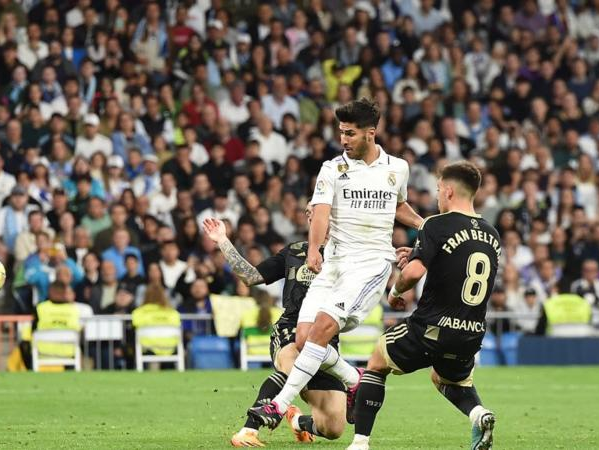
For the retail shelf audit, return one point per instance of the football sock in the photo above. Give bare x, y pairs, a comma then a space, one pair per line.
335, 365
464, 398
369, 401
269, 389
306, 423
305, 367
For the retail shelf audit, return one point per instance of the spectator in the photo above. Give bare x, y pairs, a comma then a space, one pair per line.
119, 250
530, 305
102, 293
587, 286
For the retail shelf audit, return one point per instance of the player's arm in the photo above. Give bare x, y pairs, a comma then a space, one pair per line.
215, 229
322, 201
406, 215
317, 235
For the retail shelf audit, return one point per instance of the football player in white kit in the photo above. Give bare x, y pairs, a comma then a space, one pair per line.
359, 195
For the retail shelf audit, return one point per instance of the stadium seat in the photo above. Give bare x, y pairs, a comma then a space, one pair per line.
488, 355
210, 352
44, 338
359, 343
509, 347
254, 343
143, 340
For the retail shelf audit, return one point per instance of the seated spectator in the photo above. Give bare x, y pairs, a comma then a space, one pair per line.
132, 280
587, 286
170, 264
529, 305
96, 219
198, 302
498, 303
25, 244
119, 250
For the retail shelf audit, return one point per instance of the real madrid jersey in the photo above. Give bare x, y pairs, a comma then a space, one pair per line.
290, 264
363, 201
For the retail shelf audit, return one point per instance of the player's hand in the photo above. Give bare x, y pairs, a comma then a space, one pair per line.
215, 229
396, 303
402, 255
314, 261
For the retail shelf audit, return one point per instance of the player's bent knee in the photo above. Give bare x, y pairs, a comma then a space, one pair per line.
377, 363
332, 429
285, 358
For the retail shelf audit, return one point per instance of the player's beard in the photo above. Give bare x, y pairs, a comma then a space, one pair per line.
360, 150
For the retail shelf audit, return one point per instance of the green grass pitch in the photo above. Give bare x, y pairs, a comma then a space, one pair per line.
536, 408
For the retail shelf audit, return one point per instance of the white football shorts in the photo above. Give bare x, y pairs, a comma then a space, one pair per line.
347, 291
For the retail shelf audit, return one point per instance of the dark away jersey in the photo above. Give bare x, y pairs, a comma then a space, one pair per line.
461, 254
290, 264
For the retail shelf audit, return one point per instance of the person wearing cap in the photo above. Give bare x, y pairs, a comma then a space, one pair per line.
115, 184
215, 38
91, 140
148, 181
528, 305
240, 54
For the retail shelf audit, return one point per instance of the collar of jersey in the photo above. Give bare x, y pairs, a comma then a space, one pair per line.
382, 159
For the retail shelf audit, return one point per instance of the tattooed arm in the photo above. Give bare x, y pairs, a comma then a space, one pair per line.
215, 229
242, 268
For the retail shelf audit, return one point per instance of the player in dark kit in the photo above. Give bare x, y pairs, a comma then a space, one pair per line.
325, 393
459, 251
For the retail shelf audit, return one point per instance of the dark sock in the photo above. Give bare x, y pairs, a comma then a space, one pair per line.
269, 390
369, 400
463, 398
306, 423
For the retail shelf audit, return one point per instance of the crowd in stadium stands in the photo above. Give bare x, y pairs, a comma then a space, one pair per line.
123, 124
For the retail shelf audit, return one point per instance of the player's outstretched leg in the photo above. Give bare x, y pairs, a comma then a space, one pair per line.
248, 435
466, 399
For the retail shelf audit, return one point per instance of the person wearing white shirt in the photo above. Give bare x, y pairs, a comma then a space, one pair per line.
34, 49
91, 141
163, 201
234, 108
273, 146
220, 210
7, 182
170, 264
277, 104
356, 200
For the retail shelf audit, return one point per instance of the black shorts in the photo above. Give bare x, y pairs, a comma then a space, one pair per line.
407, 349
283, 334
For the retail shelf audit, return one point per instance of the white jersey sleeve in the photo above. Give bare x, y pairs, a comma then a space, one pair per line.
404, 174
324, 190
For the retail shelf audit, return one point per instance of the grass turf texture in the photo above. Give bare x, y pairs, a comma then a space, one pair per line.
537, 408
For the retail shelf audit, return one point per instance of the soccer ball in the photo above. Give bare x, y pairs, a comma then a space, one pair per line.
2, 275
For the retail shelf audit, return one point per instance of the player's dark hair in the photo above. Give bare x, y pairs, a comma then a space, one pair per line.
465, 173
364, 113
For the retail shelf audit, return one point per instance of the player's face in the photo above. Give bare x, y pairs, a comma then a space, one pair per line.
354, 140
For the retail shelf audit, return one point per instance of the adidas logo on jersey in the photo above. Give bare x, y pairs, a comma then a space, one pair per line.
344, 177
341, 306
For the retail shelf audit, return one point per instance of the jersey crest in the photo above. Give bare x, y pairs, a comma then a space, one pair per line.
343, 168
391, 179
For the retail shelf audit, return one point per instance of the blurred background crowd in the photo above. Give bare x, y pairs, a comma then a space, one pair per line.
123, 124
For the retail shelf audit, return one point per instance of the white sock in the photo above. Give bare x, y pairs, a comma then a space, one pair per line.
305, 367
248, 430
335, 365
475, 414
295, 422
361, 439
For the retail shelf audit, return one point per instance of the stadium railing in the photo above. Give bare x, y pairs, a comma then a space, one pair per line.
103, 335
